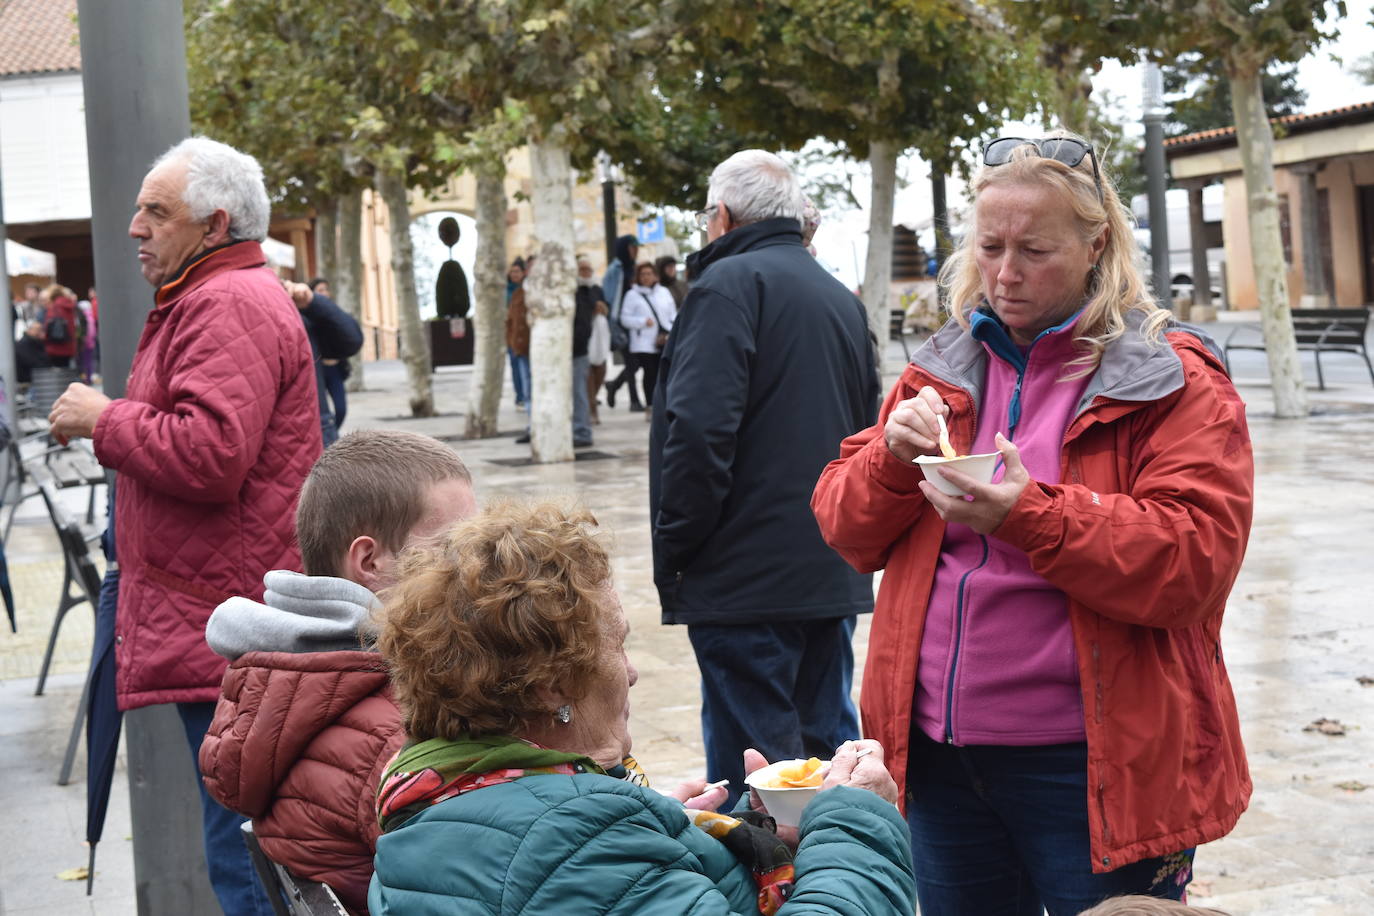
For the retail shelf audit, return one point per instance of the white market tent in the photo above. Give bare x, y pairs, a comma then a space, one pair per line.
21, 260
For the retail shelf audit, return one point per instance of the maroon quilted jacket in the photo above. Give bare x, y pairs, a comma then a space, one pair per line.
212, 442
298, 743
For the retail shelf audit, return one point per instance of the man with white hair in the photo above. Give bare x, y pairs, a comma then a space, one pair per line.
769, 366
212, 441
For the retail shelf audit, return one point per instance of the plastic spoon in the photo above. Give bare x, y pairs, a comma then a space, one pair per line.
945, 448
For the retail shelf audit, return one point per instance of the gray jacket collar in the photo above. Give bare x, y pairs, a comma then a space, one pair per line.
1132, 369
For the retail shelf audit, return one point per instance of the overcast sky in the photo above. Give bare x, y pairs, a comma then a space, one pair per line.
842, 238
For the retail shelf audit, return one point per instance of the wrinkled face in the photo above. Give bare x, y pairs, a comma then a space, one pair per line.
446, 503
167, 236
1032, 257
646, 276
603, 715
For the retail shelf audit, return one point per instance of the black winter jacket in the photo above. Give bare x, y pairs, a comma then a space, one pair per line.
768, 368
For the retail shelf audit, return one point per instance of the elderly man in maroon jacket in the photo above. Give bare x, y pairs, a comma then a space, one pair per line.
219, 427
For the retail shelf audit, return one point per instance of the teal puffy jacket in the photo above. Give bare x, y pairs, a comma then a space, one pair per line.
589, 844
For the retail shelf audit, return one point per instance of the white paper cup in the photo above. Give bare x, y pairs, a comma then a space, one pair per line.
784, 805
979, 467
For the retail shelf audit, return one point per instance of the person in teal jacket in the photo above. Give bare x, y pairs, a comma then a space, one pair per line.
516, 792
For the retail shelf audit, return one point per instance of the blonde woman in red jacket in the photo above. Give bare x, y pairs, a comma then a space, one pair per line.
1045, 666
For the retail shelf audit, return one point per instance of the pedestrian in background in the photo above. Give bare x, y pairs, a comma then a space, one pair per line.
620, 276
61, 326
212, 442
589, 302
647, 312
334, 362
331, 330
1045, 663
769, 366
518, 334
666, 268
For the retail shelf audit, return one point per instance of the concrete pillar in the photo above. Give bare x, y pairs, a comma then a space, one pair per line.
133, 55
1156, 174
1314, 292
1197, 234
7, 370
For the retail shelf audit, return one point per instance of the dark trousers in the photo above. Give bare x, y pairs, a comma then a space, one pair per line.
232, 876
335, 379
780, 688
649, 363
627, 377
1003, 831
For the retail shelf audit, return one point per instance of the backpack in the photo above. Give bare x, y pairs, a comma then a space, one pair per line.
56, 330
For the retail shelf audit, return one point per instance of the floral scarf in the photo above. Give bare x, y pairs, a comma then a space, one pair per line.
428, 772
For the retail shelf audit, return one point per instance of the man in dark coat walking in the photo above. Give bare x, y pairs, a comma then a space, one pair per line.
769, 366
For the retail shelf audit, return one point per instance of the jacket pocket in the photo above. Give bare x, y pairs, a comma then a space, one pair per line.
184, 586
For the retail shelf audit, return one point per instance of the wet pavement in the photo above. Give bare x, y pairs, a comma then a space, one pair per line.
1299, 636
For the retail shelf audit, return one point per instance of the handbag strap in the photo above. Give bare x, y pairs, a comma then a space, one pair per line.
650, 303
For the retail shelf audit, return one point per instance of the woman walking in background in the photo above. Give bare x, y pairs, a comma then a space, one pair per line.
647, 312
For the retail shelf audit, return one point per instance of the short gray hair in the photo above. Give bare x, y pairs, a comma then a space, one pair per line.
756, 185
219, 177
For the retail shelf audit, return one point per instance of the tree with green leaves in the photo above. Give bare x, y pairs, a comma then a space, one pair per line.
1198, 94
874, 78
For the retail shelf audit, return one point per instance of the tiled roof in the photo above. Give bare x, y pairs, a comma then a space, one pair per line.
1225, 136
38, 36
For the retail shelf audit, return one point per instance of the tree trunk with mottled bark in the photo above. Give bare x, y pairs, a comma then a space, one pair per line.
489, 347
882, 160
348, 286
326, 240
414, 347
1256, 140
549, 296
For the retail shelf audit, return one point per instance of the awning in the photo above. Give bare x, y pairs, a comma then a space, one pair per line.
279, 254
21, 260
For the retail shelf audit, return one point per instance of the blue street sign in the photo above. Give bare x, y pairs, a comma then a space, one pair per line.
652, 229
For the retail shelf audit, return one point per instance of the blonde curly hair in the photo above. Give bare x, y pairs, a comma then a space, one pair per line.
1115, 287
486, 620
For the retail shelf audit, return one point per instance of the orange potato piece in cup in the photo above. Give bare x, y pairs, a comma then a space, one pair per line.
800, 775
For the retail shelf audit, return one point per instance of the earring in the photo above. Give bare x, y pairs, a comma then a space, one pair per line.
563, 714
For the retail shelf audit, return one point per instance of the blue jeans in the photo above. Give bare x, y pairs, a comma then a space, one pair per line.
231, 871
335, 378
1003, 831
520, 377
780, 688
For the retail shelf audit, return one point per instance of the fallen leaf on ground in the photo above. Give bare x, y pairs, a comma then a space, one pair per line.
1325, 726
74, 874
1365, 680
1352, 785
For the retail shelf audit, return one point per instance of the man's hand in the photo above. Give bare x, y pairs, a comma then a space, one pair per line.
912, 429
299, 293
990, 502
75, 413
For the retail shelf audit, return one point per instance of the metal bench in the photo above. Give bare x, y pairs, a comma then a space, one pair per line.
1318, 330
289, 894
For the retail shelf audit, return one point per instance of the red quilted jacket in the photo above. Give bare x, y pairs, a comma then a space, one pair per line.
298, 743
212, 442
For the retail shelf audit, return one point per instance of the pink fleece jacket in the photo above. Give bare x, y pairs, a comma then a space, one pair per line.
997, 662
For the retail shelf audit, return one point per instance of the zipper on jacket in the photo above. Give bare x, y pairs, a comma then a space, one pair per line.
958, 638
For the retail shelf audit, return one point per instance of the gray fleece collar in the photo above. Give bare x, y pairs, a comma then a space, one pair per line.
300, 614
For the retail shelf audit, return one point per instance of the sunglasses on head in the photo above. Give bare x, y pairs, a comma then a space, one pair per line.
1061, 149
